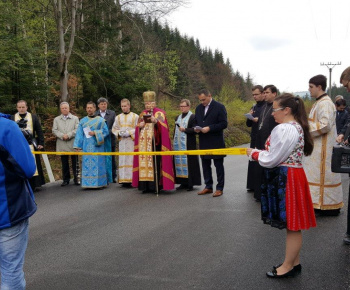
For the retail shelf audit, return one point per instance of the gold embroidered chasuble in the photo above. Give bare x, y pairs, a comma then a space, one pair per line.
145, 138
146, 143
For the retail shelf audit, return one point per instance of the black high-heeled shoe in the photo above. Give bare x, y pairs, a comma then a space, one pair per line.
297, 268
273, 274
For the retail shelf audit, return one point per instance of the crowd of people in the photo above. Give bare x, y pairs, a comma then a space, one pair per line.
291, 188
101, 130
98, 132
290, 162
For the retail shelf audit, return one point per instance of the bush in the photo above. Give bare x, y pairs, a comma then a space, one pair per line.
237, 132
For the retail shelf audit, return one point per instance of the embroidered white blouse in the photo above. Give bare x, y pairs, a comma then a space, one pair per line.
284, 147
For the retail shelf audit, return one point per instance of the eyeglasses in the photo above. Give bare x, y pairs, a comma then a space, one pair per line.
277, 109
254, 95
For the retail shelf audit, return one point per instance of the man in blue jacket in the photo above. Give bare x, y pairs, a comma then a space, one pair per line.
16, 202
211, 120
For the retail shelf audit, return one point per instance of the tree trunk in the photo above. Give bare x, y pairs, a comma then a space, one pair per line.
119, 25
64, 56
64, 84
24, 31
45, 57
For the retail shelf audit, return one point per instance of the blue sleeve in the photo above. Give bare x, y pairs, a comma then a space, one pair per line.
105, 130
15, 153
79, 137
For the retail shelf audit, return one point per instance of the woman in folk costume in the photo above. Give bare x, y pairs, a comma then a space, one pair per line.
30, 125
187, 169
286, 201
152, 173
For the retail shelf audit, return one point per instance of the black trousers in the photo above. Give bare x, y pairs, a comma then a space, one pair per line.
220, 173
259, 178
251, 175
65, 167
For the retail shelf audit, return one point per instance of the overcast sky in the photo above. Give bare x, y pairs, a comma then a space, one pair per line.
278, 42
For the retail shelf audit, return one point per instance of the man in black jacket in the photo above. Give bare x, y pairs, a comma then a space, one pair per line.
266, 123
258, 95
342, 115
109, 117
210, 121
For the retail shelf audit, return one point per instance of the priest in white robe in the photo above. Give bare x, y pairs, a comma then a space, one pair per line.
325, 185
124, 129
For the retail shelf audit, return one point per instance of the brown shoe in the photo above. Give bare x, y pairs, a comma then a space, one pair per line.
205, 191
217, 193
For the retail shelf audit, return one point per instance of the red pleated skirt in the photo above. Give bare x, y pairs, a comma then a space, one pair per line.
300, 213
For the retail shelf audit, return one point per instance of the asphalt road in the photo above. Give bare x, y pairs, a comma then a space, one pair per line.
118, 238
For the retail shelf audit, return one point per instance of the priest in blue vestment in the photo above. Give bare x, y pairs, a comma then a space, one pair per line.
93, 136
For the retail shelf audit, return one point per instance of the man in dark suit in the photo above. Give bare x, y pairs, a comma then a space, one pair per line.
342, 115
258, 95
109, 117
210, 121
266, 123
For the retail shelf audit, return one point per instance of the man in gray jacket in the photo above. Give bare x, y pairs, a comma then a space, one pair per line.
64, 128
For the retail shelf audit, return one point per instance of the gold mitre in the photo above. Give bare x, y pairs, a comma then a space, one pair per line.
149, 96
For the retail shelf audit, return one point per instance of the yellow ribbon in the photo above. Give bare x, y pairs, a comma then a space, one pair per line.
223, 151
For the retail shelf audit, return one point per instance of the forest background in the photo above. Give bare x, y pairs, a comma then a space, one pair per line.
81, 50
